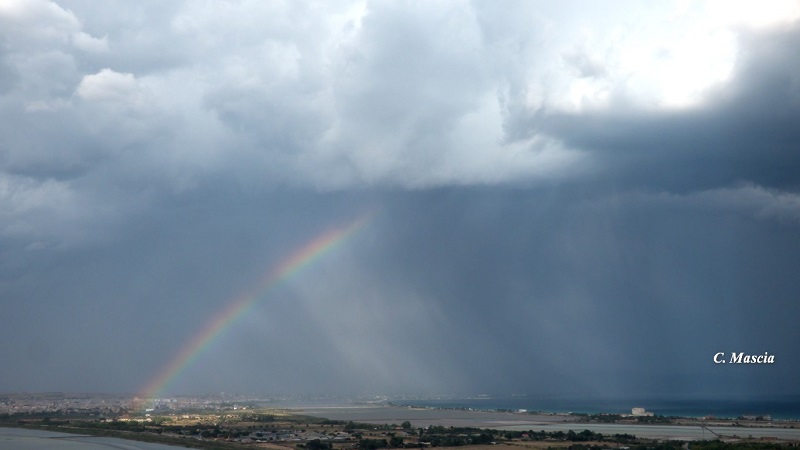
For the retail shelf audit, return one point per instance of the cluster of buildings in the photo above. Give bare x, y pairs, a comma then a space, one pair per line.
640, 412
57, 403
289, 436
63, 404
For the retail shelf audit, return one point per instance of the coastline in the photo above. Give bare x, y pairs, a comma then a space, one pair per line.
784, 407
688, 429
377, 419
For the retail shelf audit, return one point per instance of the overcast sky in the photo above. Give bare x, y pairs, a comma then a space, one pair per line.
571, 198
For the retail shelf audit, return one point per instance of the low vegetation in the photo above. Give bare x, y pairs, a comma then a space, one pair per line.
268, 429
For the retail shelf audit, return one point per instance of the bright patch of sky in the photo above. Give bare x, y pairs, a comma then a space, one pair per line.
657, 55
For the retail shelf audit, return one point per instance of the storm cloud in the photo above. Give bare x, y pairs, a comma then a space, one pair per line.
569, 198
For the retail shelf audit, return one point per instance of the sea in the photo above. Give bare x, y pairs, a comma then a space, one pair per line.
782, 408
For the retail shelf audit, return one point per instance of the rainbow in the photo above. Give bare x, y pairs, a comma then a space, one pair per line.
236, 307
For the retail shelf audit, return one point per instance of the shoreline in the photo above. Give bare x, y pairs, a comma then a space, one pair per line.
684, 429
529, 416
385, 414
377, 421
785, 408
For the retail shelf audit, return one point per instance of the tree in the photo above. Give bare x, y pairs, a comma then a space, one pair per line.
372, 444
316, 444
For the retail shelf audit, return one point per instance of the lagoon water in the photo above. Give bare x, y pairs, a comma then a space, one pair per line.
676, 432
22, 439
421, 417
785, 407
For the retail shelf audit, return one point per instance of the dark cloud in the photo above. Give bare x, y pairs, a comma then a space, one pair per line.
745, 131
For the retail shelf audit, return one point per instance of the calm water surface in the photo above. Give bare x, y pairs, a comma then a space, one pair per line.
523, 422
22, 439
785, 407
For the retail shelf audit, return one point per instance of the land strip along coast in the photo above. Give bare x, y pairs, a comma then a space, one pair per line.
234, 422
675, 429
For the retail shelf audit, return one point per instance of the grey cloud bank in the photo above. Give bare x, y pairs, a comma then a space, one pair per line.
570, 200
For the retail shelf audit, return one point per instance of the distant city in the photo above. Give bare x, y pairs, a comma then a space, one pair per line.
100, 405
